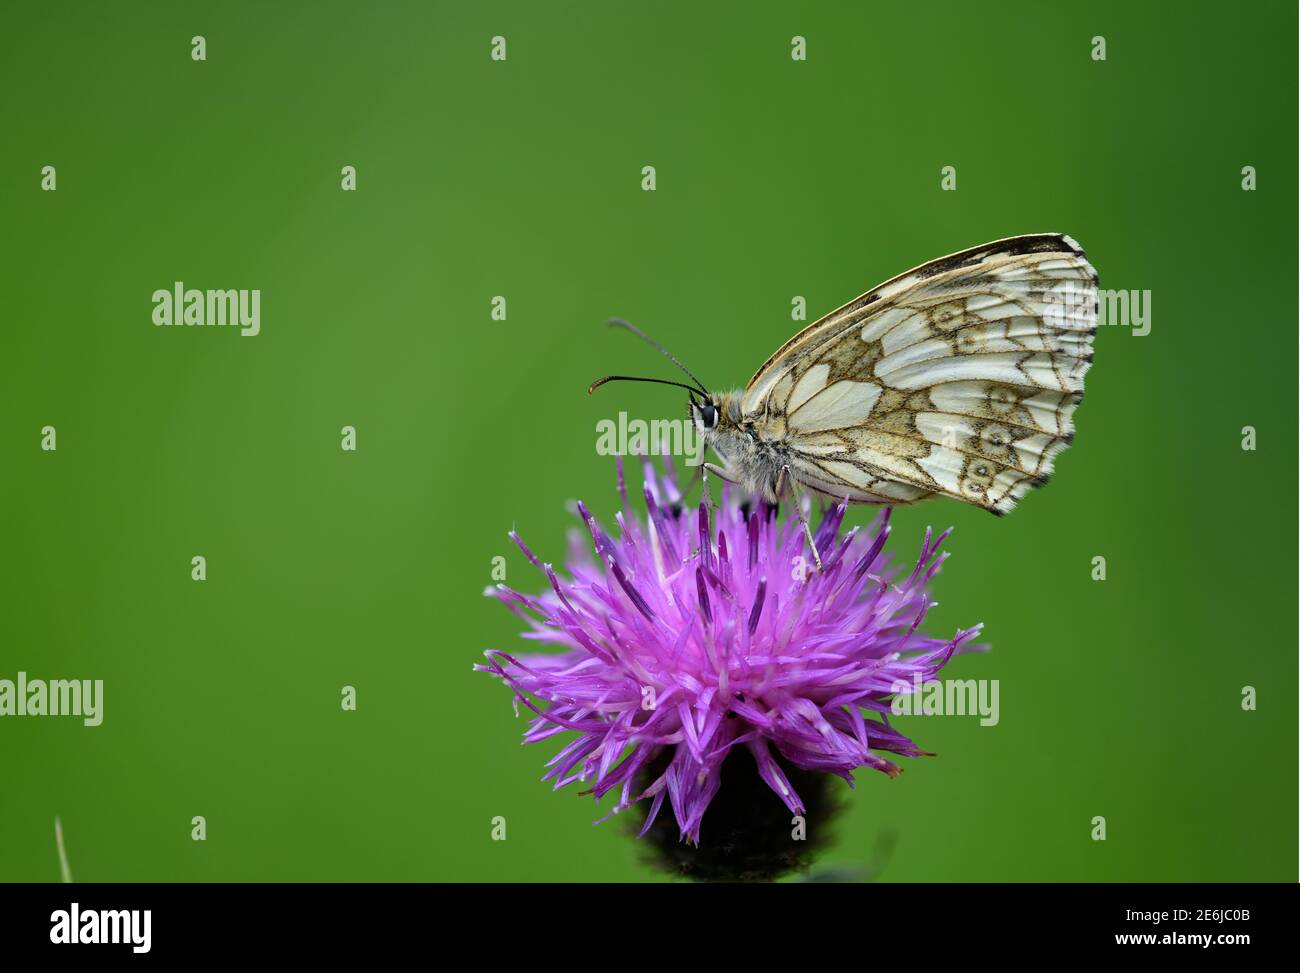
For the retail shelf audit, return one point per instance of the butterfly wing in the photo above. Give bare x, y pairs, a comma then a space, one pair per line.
959, 378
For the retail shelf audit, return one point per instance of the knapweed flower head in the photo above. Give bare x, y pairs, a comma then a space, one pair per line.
711, 631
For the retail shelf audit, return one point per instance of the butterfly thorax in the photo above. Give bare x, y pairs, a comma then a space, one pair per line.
752, 449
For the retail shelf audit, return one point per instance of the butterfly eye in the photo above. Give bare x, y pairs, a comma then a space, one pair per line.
708, 415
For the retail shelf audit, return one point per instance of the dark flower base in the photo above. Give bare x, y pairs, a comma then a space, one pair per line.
747, 833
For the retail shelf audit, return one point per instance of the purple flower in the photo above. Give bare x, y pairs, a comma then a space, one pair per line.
711, 633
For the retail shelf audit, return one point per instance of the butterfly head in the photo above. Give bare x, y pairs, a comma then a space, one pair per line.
714, 414
704, 413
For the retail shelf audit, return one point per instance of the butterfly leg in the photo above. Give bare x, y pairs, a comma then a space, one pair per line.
717, 471
782, 479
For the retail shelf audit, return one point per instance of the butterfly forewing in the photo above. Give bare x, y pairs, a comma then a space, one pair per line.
957, 378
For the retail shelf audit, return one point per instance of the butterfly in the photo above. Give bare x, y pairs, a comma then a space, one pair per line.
958, 378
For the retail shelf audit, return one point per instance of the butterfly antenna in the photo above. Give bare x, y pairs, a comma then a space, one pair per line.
620, 323
634, 378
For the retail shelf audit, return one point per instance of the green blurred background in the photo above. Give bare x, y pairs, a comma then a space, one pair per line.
477, 178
